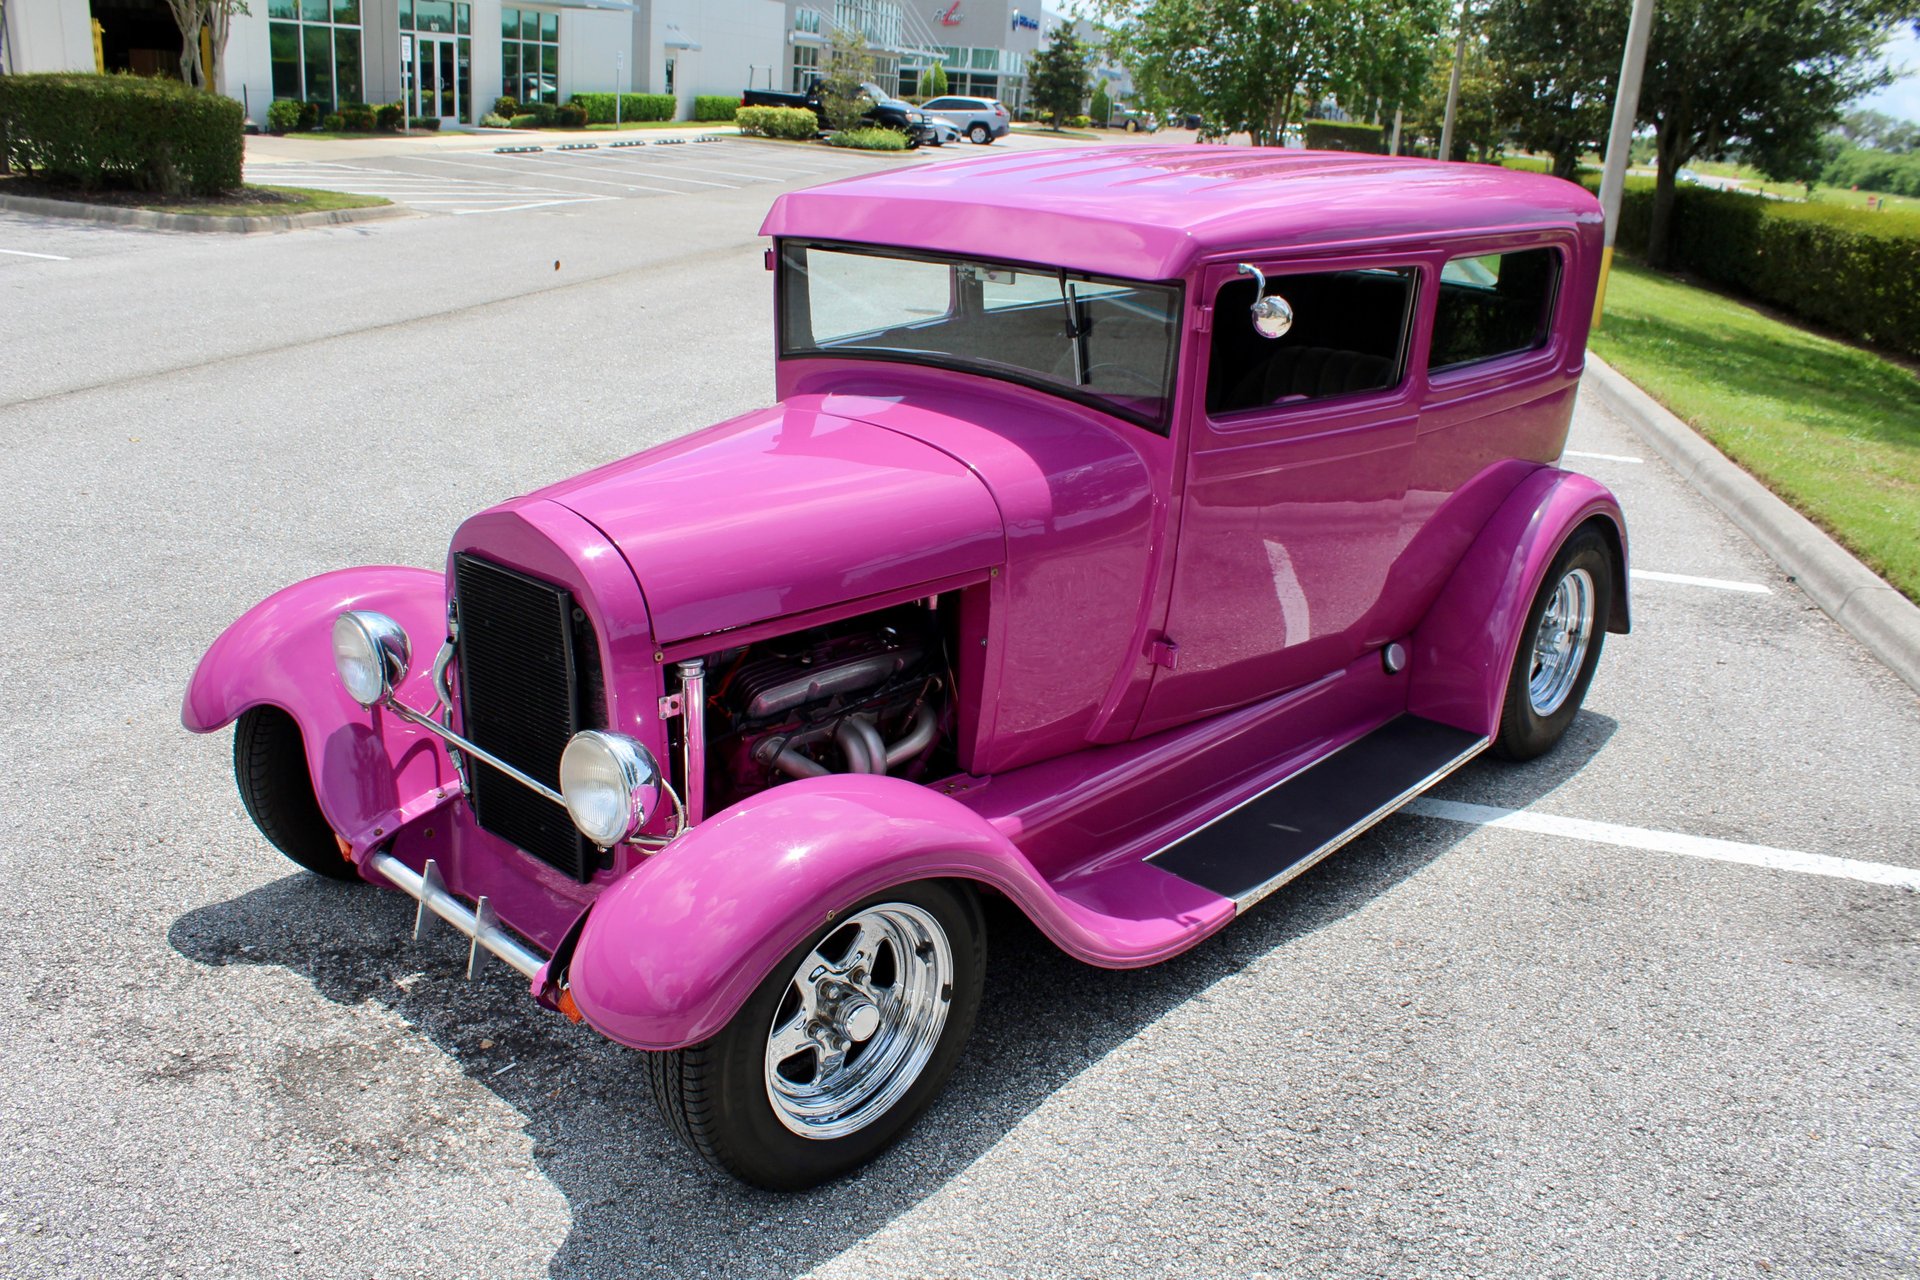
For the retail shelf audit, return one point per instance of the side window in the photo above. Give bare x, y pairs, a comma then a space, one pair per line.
941, 104
1349, 335
1493, 305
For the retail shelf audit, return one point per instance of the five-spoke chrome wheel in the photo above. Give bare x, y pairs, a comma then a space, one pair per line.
1560, 642
858, 1021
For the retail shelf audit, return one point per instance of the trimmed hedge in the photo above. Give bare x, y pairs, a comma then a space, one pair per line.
1331, 135
710, 107
633, 106
866, 139
1847, 269
97, 131
778, 122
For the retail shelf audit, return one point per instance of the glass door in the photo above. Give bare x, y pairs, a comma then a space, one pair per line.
437, 87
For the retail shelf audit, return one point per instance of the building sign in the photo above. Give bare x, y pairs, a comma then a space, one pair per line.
949, 15
1021, 22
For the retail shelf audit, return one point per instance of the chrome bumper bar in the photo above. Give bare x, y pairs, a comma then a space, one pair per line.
478, 923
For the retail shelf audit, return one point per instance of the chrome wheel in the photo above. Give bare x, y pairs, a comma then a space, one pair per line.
859, 1020
1560, 642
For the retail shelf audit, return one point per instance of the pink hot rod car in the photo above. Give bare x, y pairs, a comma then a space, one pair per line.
1153, 524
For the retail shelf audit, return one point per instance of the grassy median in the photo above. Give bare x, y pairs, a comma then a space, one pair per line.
1831, 428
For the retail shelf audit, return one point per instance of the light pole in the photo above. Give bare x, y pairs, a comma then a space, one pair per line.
1626, 108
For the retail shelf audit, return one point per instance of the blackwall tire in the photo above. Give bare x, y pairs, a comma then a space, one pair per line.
980, 135
1559, 648
795, 1125
270, 768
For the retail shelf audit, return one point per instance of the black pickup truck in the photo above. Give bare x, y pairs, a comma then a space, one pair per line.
887, 112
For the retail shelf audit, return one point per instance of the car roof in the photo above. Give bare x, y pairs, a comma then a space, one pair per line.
1152, 212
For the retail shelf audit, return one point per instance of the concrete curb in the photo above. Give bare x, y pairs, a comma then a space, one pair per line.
154, 219
1862, 602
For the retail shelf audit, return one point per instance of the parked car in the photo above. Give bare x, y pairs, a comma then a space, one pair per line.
1123, 541
1133, 121
980, 119
886, 111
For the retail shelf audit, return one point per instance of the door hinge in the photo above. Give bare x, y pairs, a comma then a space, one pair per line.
1164, 653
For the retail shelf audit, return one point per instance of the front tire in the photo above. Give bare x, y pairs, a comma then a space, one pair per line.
270, 767
840, 1048
980, 134
1559, 648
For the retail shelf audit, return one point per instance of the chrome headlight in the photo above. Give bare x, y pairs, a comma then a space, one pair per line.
611, 784
370, 651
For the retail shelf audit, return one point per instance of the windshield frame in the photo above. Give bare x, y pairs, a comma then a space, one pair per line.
1160, 424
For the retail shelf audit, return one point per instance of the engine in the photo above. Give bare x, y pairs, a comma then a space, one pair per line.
869, 695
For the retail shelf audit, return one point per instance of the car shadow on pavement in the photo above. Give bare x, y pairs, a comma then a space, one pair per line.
644, 1205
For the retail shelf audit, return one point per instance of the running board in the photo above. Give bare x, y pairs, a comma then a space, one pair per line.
1253, 849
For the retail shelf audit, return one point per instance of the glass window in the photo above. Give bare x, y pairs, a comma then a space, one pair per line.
510, 24
463, 74
347, 12
313, 10
1493, 305
318, 42
346, 65
1111, 342
509, 69
282, 9
463, 18
284, 40
406, 15
550, 26
433, 15
529, 25
1348, 336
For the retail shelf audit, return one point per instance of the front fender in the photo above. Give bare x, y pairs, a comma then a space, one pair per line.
669, 954
1464, 648
366, 766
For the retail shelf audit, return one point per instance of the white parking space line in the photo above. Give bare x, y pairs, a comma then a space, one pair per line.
1688, 580
537, 204
25, 253
498, 171
1752, 855
1603, 457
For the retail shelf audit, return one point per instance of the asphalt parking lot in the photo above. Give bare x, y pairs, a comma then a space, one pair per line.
1634, 1009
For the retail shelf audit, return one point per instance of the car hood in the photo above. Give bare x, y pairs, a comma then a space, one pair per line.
781, 511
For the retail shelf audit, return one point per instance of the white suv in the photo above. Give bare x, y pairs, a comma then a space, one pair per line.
980, 119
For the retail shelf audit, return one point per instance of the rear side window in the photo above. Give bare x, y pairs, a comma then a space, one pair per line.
944, 104
1492, 305
1349, 335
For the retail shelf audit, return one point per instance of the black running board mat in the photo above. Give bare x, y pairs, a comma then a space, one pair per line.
1250, 851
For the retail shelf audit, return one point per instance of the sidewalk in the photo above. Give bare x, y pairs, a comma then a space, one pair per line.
268, 148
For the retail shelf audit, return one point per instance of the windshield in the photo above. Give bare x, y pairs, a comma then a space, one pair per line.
1110, 342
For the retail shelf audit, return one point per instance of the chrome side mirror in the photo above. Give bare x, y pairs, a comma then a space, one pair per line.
1272, 317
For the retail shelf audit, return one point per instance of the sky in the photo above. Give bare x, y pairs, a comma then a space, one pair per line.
1902, 97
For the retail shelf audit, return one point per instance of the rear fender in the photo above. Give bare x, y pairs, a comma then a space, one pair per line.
1464, 649
671, 952
366, 766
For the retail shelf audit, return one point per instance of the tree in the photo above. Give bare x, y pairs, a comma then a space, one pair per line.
1477, 128
1385, 52
933, 81
1101, 108
1057, 77
1880, 131
1555, 63
850, 66
1766, 78
190, 16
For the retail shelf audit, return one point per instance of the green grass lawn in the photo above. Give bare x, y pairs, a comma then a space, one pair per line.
248, 202
1831, 428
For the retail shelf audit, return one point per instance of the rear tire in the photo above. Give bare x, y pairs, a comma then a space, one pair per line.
980, 134
761, 1101
1559, 648
270, 767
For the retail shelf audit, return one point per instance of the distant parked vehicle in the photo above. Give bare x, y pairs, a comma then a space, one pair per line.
980, 119
887, 112
1132, 121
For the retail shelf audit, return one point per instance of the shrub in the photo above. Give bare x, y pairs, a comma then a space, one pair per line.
492, 121
778, 122
633, 106
283, 115
1100, 110
571, 116
96, 131
388, 116
333, 122
1847, 269
430, 123
868, 139
310, 113
506, 106
1079, 122
715, 106
360, 119
1329, 135
524, 122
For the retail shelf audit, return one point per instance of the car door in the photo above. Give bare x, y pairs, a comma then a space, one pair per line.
1296, 469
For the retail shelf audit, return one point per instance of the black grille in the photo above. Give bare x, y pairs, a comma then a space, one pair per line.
526, 656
